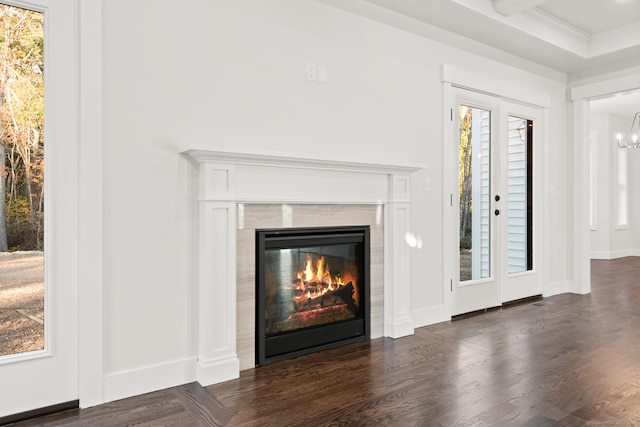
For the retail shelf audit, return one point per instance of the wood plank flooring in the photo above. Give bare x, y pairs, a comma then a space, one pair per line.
572, 362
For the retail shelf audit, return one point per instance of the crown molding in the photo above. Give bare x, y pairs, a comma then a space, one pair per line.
512, 7
558, 25
614, 40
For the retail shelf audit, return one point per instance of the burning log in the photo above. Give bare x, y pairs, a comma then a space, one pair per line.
342, 295
346, 293
314, 297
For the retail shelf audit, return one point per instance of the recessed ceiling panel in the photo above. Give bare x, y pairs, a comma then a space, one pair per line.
594, 16
545, 42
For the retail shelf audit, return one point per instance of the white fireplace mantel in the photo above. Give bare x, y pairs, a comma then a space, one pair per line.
265, 158
227, 178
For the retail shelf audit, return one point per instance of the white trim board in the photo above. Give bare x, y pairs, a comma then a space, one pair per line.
134, 382
90, 334
482, 83
605, 88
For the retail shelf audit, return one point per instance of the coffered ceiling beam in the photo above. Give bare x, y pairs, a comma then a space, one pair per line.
511, 7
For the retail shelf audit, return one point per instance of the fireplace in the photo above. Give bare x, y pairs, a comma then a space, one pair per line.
312, 289
233, 191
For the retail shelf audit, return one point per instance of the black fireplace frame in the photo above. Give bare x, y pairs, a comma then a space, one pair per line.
308, 340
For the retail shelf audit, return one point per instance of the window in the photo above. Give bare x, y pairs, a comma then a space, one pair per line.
621, 190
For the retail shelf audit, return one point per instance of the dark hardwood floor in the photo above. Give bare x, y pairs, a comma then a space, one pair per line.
574, 361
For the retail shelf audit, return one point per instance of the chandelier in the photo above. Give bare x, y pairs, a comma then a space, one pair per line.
632, 140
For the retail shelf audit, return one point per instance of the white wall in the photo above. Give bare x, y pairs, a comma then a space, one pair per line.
608, 240
233, 74
634, 201
600, 236
622, 243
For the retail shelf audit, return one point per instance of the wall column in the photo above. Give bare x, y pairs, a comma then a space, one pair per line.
216, 291
581, 283
397, 296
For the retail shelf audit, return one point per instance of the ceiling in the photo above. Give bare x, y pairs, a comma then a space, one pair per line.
569, 39
575, 37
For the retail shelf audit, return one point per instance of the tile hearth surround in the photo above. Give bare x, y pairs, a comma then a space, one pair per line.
238, 190
252, 216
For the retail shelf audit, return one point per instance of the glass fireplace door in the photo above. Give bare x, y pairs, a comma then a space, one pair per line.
312, 289
311, 286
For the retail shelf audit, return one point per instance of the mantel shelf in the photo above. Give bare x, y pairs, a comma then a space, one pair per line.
278, 160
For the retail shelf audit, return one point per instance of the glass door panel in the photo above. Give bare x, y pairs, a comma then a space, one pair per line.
474, 193
22, 319
519, 195
521, 229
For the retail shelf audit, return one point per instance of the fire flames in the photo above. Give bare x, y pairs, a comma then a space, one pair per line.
315, 280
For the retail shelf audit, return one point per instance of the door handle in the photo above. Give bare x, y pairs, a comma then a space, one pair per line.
497, 212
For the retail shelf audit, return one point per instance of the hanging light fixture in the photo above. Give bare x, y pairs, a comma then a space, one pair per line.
632, 140
522, 131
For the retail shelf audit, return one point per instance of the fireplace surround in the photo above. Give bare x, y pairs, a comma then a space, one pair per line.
230, 181
256, 216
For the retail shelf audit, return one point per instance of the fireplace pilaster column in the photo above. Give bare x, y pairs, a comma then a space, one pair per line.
397, 296
217, 358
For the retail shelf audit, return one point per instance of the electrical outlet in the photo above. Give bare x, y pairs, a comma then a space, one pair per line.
312, 72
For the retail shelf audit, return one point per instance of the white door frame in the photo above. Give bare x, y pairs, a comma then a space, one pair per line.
91, 356
473, 81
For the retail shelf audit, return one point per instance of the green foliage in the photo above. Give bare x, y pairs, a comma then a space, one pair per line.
17, 210
22, 228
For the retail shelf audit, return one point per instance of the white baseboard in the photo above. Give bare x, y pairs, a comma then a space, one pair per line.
555, 288
399, 328
217, 370
621, 253
600, 255
614, 254
150, 378
430, 316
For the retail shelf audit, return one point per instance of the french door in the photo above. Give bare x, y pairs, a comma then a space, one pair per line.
48, 375
494, 200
